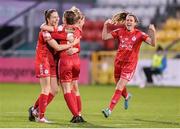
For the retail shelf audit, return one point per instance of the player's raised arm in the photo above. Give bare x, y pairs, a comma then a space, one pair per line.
152, 35
105, 34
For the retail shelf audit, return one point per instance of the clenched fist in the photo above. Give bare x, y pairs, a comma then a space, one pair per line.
151, 27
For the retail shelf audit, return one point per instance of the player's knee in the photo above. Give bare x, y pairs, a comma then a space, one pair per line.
120, 87
45, 90
54, 91
66, 88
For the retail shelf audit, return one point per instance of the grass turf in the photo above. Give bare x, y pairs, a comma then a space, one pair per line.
149, 107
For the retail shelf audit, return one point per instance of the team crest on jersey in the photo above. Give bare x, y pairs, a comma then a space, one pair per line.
46, 71
133, 38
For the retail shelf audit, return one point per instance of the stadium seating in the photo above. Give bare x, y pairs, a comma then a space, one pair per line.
170, 31
92, 33
145, 10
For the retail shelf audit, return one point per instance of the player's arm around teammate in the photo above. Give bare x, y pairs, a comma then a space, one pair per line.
45, 67
73, 86
58, 47
53, 19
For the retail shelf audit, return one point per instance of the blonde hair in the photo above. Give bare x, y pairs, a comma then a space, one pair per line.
119, 18
77, 12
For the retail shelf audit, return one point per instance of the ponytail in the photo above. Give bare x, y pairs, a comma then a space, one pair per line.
119, 18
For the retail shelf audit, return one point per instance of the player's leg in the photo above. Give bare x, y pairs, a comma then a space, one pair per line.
127, 96
73, 92
53, 81
65, 76
34, 110
116, 96
69, 98
53, 90
42, 100
45, 88
42, 72
76, 94
75, 86
127, 73
125, 93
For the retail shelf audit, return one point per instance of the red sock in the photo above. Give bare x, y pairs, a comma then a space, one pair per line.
74, 98
124, 92
36, 103
78, 99
71, 103
42, 105
115, 99
50, 98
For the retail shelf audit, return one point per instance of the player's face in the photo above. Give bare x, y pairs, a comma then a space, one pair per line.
130, 23
54, 19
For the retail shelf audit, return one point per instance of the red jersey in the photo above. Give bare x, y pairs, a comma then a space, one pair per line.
42, 48
77, 34
129, 44
69, 66
44, 63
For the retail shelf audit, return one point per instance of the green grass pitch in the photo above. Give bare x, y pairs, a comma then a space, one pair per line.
149, 107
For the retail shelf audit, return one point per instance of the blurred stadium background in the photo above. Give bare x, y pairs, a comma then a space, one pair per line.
19, 26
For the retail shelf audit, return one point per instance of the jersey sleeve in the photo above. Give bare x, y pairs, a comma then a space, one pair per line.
144, 36
77, 33
114, 33
59, 35
46, 36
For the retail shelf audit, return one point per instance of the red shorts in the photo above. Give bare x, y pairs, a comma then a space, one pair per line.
124, 70
45, 67
69, 68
